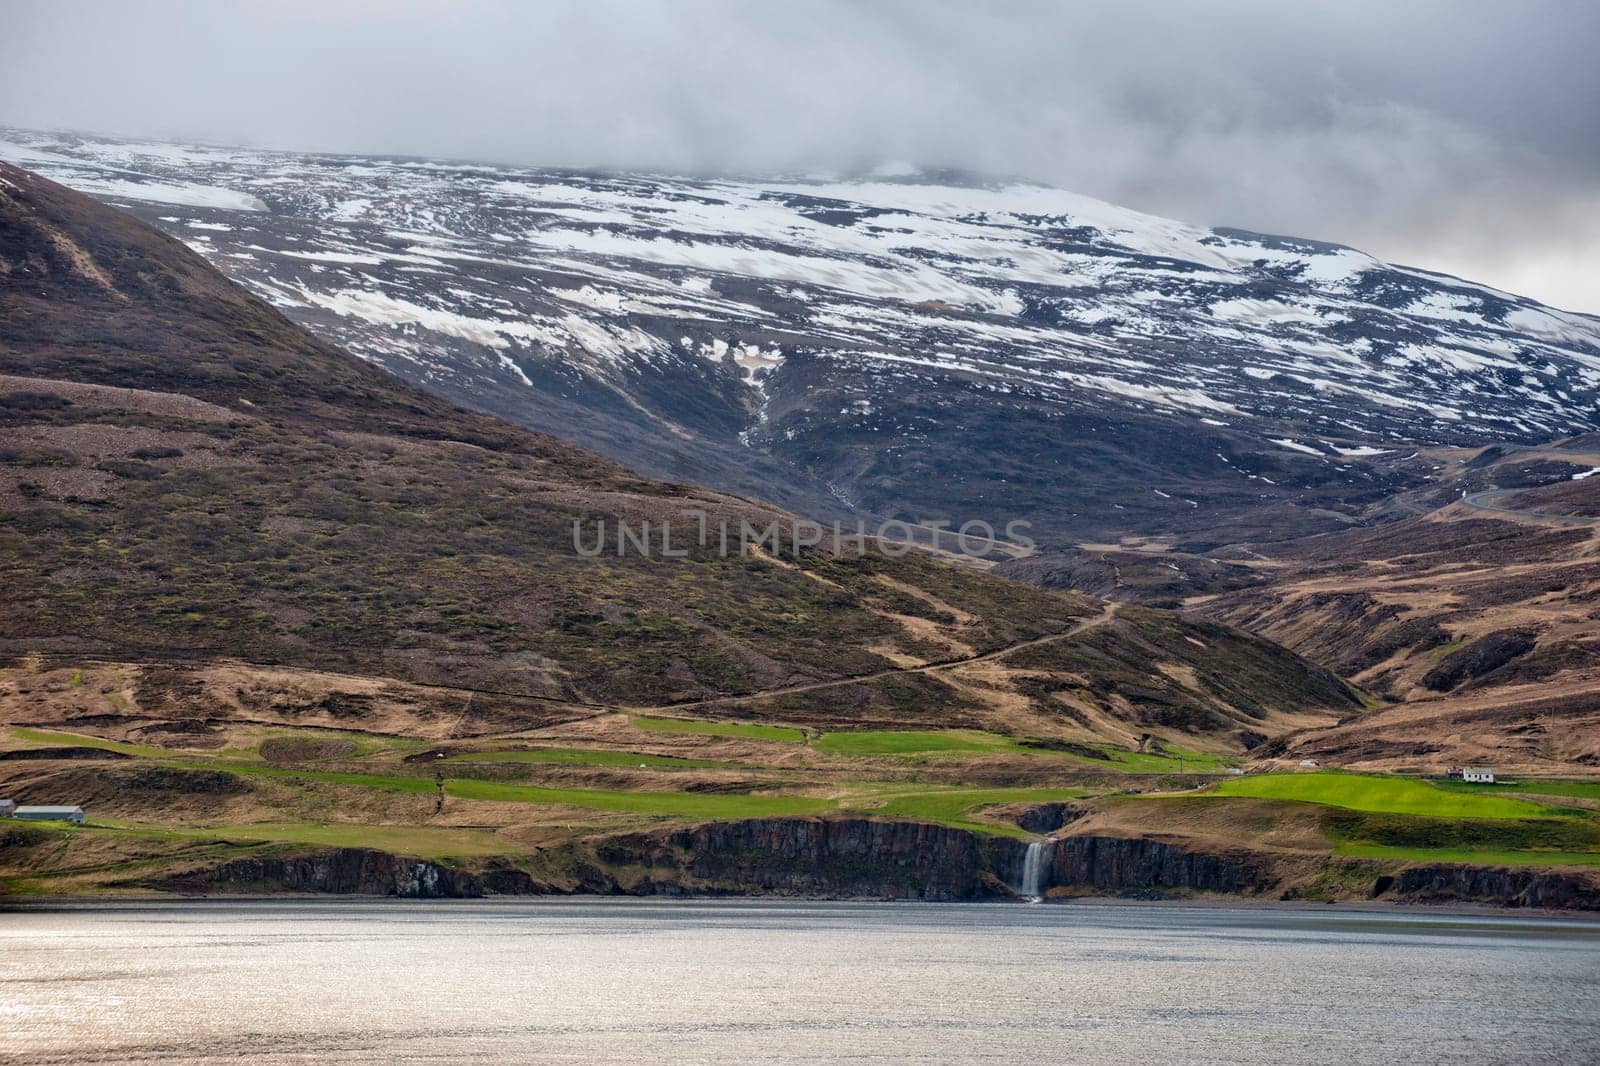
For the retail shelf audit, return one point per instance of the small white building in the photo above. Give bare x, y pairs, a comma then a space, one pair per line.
6, 807
1309, 764
1478, 775
49, 814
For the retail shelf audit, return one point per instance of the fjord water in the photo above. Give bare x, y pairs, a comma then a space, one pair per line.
787, 982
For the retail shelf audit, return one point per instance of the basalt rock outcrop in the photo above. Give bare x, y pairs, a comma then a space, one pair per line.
860, 858
339, 871
909, 860
1049, 817
841, 858
1122, 865
1551, 889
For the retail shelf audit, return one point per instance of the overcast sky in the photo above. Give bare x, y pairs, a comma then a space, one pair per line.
1462, 136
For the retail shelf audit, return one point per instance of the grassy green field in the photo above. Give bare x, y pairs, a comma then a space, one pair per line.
945, 805
77, 740
916, 742
1534, 786
585, 757
1387, 795
1367, 816
1173, 760
426, 842
386, 782
959, 807
362, 744
1471, 855
707, 806
743, 730
702, 806
1567, 835
976, 742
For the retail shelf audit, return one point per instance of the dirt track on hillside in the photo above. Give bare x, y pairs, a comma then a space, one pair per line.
1105, 615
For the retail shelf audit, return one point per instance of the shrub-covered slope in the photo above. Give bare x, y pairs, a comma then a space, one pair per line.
183, 472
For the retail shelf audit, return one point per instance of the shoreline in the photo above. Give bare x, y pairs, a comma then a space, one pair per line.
1391, 908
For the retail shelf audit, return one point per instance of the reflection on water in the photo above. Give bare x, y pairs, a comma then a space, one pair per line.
786, 982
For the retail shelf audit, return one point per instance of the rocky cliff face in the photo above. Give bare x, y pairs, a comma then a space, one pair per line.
860, 858
811, 857
1049, 817
340, 871
1139, 865
1553, 889
814, 857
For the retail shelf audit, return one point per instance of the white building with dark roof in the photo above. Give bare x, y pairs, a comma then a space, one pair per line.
49, 814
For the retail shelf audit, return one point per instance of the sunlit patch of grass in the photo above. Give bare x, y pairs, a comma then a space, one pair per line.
585, 757
1466, 836
707, 806
79, 740
387, 782
1171, 759
687, 805
1534, 786
426, 842
961, 808
914, 742
1385, 795
1473, 856
744, 730
977, 742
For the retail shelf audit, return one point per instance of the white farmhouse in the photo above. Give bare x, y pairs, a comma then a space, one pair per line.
49, 814
1477, 775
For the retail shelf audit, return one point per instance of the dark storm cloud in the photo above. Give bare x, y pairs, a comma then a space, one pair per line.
1462, 136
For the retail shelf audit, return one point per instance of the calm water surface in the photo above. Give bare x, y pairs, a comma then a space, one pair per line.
782, 982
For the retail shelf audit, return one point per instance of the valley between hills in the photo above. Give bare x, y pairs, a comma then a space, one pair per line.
283, 622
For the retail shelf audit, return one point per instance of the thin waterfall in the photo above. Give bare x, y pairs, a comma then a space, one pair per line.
1033, 867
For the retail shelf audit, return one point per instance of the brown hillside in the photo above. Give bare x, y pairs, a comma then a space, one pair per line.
1483, 616
186, 478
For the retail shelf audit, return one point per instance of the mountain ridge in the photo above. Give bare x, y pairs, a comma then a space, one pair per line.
890, 348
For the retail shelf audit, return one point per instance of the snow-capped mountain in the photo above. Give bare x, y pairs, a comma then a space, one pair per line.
900, 343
